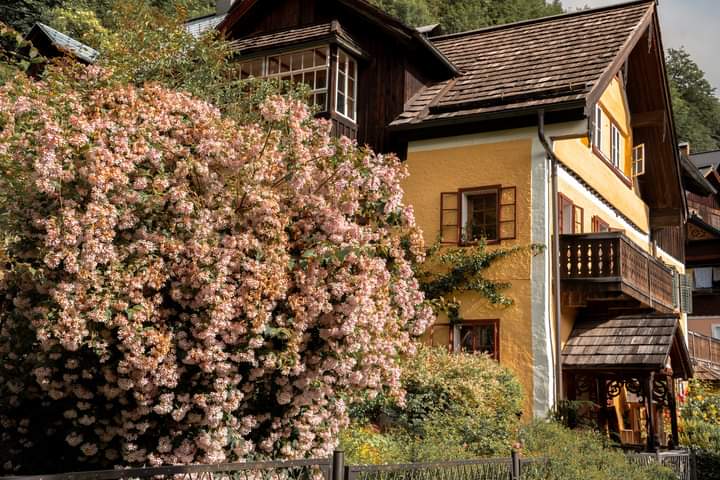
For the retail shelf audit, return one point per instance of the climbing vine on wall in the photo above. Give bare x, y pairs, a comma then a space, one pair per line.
448, 272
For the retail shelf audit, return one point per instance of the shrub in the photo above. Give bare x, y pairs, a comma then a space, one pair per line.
582, 455
456, 406
176, 287
700, 427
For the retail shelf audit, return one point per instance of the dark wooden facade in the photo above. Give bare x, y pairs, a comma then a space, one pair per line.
395, 65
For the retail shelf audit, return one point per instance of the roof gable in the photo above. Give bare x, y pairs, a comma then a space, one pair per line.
394, 28
535, 63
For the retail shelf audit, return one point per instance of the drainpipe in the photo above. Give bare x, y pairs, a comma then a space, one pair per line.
555, 254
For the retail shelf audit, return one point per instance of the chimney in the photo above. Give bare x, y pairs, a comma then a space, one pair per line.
223, 6
684, 148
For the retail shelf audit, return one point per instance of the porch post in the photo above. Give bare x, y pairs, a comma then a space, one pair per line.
672, 403
649, 410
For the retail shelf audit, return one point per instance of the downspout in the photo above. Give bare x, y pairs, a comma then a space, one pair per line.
555, 253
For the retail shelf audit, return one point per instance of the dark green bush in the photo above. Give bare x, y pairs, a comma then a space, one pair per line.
582, 455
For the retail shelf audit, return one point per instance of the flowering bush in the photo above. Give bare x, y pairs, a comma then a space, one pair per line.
177, 287
700, 427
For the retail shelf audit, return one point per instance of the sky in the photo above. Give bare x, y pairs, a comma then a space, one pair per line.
693, 24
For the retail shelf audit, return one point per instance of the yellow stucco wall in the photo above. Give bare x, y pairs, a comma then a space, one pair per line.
446, 169
576, 154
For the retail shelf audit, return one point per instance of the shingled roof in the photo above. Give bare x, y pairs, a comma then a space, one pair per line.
627, 342
294, 36
529, 64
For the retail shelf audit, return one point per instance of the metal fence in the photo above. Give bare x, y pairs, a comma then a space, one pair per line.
681, 462
508, 468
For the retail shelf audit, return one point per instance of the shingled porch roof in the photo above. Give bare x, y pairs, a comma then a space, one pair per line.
532, 64
635, 342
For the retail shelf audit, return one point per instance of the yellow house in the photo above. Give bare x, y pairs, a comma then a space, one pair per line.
559, 132
554, 132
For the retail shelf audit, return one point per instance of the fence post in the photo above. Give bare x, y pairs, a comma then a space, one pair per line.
338, 465
514, 465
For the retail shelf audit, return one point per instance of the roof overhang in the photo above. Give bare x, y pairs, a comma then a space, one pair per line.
647, 343
374, 15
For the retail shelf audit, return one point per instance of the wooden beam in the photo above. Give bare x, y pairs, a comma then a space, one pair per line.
656, 118
665, 217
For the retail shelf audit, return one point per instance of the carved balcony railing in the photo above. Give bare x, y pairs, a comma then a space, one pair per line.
609, 262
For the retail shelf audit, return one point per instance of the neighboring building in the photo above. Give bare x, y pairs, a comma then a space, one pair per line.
702, 185
52, 43
501, 128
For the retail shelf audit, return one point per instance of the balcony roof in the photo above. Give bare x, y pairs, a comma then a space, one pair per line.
637, 342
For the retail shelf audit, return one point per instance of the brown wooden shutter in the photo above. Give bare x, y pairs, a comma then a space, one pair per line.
578, 219
449, 217
508, 213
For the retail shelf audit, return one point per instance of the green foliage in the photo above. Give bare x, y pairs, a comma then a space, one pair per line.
583, 455
450, 271
463, 15
695, 104
22, 14
16, 54
456, 406
700, 427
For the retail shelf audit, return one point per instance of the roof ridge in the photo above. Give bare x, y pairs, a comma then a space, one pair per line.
550, 18
706, 151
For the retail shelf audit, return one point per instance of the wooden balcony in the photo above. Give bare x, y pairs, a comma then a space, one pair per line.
704, 349
609, 269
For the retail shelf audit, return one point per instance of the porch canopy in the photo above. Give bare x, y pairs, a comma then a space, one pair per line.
609, 358
635, 342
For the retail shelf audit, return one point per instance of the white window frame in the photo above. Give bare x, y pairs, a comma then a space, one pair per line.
347, 60
597, 131
638, 165
616, 147
315, 92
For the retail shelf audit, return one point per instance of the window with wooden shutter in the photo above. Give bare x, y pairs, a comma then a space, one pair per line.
578, 219
566, 214
508, 213
449, 217
599, 225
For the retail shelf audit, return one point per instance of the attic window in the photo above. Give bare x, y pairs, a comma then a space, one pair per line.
310, 66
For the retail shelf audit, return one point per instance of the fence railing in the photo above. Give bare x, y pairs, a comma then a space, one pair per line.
681, 462
704, 348
334, 468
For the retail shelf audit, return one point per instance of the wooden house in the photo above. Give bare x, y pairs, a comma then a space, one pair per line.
556, 131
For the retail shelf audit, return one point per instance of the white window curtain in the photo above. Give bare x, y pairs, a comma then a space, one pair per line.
703, 277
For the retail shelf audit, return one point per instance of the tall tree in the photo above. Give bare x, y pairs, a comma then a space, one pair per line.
462, 15
695, 104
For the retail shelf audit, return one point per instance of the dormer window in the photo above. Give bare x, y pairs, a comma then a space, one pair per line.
313, 67
310, 66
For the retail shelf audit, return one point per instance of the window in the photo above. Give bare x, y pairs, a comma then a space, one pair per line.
716, 331
481, 212
703, 277
571, 216
638, 160
480, 215
346, 85
310, 67
616, 148
599, 225
476, 336
597, 131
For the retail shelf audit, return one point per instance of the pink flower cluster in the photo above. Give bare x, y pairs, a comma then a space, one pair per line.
180, 288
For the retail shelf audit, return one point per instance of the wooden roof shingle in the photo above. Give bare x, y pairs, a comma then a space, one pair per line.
629, 342
534, 63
